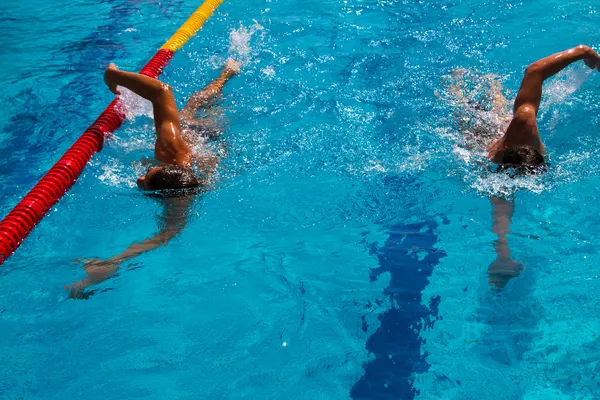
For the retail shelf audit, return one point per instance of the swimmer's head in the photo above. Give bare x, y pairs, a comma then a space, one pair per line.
523, 159
168, 177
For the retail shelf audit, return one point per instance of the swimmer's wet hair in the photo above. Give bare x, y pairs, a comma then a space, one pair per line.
524, 160
172, 193
173, 177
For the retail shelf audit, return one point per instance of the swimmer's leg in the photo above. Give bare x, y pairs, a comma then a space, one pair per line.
500, 106
463, 108
203, 97
480, 111
457, 88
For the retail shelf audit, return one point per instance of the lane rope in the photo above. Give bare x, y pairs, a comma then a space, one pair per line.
17, 225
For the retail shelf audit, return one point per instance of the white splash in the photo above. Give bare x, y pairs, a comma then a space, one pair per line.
134, 106
269, 71
375, 165
239, 48
564, 84
135, 139
416, 160
115, 174
500, 184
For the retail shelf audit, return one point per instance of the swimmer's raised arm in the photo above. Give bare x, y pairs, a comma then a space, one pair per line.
523, 129
170, 148
530, 93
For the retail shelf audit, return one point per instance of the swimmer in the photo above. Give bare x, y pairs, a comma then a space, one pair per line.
521, 145
512, 141
517, 142
176, 169
172, 150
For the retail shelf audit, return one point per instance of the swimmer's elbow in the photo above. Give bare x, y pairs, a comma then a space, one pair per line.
162, 92
534, 69
525, 113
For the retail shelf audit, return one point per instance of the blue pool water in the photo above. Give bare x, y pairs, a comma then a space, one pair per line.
344, 251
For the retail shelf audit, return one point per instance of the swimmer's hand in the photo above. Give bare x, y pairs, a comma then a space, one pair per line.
109, 78
591, 59
503, 270
97, 271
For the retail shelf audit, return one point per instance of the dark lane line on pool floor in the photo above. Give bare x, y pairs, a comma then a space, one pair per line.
396, 345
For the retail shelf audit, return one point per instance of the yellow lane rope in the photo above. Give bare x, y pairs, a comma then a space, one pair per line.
192, 25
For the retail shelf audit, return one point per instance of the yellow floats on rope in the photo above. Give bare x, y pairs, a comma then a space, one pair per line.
192, 25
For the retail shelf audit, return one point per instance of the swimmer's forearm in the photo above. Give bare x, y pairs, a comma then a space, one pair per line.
502, 212
501, 245
136, 249
502, 249
174, 222
142, 85
555, 63
101, 270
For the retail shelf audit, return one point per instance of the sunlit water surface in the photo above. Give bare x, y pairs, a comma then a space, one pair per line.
342, 251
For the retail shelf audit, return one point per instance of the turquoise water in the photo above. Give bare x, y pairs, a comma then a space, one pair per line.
345, 248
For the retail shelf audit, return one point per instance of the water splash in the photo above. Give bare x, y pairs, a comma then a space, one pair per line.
558, 92
134, 106
132, 140
240, 48
116, 174
563, 85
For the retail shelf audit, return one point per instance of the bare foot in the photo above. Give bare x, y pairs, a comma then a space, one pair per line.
231, 68
109, 78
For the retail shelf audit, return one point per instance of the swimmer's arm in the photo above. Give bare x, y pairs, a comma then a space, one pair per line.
175, 219
530, 93
502, 213
504, 268
166, 115
174, 222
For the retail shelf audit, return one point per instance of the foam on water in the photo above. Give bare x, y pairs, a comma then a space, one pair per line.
561, 87
116, 174
128, 144
240, 48
134, 106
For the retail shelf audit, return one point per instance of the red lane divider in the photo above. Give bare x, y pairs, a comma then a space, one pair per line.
30, 211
